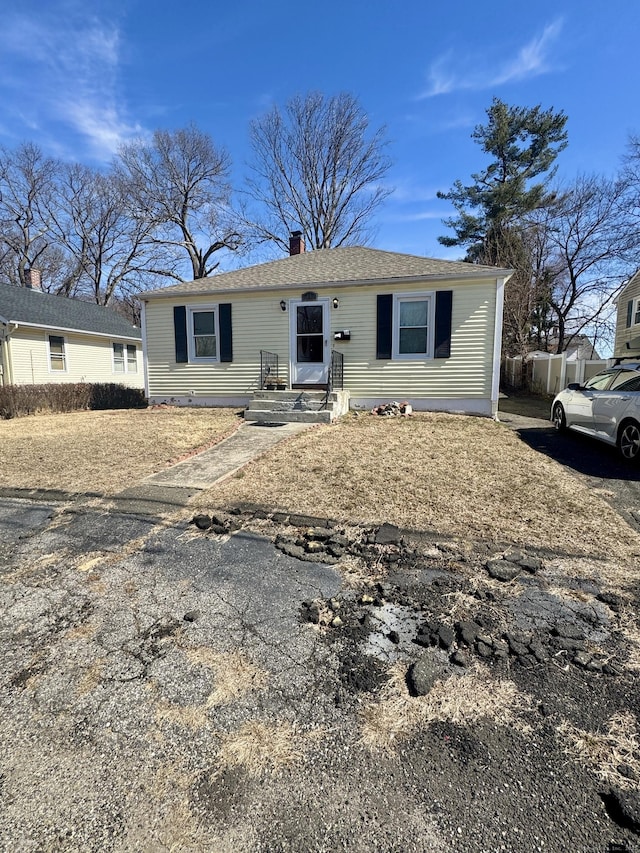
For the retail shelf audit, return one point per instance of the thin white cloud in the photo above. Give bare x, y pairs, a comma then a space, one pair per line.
531, 60
66, 75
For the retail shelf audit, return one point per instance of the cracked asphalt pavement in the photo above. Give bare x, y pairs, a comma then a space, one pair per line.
163, 688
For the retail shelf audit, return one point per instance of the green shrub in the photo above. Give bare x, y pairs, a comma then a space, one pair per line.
17, 400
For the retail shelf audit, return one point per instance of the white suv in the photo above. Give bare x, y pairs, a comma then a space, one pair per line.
606, 407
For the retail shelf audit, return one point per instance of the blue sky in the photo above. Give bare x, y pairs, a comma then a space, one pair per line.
78, 78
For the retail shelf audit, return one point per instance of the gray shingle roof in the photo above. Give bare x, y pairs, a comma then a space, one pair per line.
349, 264
22, 305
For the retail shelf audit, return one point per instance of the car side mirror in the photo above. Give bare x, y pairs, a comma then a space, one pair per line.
574, 386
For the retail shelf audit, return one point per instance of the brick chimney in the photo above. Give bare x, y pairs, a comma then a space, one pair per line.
296, 243
33, 279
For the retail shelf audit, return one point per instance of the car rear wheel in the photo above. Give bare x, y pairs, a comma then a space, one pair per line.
629, 441
559, 420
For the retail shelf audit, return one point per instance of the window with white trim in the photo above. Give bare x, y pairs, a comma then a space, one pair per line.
413, 315
203, 333
125, 359
57, 354
635, 316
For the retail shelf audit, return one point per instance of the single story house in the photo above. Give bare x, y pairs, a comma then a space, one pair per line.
46, 338
628, 319
380, 325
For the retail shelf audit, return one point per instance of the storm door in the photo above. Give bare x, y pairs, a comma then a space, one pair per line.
310, 351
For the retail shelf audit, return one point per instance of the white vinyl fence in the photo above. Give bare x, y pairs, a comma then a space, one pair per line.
548, 374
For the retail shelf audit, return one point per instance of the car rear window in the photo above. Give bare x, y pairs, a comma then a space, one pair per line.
630, 382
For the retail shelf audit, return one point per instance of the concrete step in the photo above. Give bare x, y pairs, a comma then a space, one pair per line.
280, 405
293, 395
269, 416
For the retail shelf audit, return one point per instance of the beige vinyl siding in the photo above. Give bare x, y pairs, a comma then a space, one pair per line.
624, 334
87, 358
259, 323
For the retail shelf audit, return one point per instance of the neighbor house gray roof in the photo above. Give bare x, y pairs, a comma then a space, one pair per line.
342, 266
23, 305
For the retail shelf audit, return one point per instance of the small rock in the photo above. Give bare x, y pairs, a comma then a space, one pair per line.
318, 534
336, 550
314, 547
468, 631
484, 650
279, 517
612, 669
446, 636
394, 637
484, 638
366, 599
594, 665
202, 521
218, 529
291, 550
423, 674
459, 658
336, 622
530, 564
388, 534
191, 616
339, 540
582, 659
626, 804
502, 570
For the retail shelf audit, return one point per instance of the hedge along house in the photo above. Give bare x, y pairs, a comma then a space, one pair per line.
375, 325
46, 338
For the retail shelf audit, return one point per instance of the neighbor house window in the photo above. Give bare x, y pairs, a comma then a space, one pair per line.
413, 326
57, 358
203, 337
636, 312
124, 358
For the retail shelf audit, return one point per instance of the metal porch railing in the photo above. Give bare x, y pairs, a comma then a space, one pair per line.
268, 366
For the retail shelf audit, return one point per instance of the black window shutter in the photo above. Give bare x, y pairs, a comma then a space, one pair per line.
629, 312
383, 326
444, 301
180, 332
226, 335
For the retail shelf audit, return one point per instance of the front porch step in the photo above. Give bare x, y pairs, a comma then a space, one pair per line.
299, 406
270, 416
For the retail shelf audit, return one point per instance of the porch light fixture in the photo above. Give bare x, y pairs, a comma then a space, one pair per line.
283, 305
336, 302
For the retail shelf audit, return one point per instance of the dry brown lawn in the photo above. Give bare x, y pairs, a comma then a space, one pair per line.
103, 451
454, 474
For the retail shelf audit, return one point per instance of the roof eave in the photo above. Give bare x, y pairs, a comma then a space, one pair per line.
169, 293
75, 331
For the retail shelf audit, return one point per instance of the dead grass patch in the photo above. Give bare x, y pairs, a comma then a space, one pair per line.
234, 674
462, 700
104, 451
604, 752
257, 747
462, 476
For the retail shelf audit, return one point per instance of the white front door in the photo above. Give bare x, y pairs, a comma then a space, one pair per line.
310, 350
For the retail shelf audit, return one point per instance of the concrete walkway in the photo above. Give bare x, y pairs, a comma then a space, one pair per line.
172, 489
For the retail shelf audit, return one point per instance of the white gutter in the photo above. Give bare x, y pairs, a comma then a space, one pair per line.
497, 344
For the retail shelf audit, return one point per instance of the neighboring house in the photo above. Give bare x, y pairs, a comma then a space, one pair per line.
628, 319
46, 338
383, 326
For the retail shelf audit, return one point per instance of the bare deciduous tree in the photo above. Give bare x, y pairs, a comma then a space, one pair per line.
316, 167
27, 184
109, 250
178, 184
584, 249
